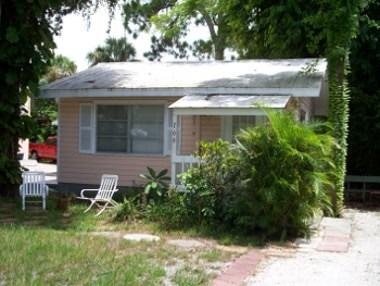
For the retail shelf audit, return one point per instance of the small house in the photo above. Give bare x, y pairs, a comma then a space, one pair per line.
119, 118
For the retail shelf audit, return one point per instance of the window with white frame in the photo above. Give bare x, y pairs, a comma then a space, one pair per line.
135, 129
233, 124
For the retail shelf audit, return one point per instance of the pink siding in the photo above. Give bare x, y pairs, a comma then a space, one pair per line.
196, 128
75, 167
80, 168
189, 134
210, 128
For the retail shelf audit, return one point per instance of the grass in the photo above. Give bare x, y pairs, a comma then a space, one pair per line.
188, 276
57, 253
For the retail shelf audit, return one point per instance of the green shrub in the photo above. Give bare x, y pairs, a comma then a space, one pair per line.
171, 213
272, 181
129, 209
156, 185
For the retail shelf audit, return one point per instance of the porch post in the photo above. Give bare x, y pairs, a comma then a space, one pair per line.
174, 147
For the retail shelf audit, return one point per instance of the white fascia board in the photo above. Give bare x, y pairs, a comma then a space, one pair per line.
175, 92
218, 111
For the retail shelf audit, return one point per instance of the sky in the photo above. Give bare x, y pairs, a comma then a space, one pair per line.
79, 37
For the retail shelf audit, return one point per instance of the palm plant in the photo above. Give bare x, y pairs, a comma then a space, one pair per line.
287, 168
114, 50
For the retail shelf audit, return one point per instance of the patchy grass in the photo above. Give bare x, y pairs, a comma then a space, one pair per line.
188, 276
49, 257
62, 251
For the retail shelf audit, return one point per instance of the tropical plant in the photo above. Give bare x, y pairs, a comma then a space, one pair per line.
128, 209
114, 50
26, 46
157, 184
286, 169
44, 112
305, 28
272, 181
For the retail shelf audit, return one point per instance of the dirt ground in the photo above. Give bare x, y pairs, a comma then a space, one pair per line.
359, 266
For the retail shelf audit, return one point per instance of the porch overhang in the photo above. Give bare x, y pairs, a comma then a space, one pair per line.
225, 105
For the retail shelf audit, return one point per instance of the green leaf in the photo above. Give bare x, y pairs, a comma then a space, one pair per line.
12, 35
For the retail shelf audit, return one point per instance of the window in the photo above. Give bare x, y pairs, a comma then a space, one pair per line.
233, 124
130, 129
242, 122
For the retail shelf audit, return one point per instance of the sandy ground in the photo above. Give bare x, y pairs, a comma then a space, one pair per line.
49, 169
360, 266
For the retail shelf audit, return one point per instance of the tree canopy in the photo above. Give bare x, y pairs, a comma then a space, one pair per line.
26, 46
114, 50
364, 128
173, 18
299, 28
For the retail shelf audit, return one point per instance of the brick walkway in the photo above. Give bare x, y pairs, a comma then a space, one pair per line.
239, 269
336, 235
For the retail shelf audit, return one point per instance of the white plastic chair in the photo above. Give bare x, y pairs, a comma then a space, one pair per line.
108, 186
33, 185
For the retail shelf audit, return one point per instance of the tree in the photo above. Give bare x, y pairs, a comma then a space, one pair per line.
364, 128
114, 50
172, 18
45, 111
305, 28
26, 44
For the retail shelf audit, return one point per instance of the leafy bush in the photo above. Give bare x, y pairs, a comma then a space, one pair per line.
272, 181
157, 184
129, 209
171, 213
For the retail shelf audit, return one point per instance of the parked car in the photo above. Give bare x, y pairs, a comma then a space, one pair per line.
45, 150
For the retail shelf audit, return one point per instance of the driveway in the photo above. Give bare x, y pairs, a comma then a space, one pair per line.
49, 169
309, 265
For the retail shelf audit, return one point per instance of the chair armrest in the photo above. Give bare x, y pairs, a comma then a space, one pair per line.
87, 190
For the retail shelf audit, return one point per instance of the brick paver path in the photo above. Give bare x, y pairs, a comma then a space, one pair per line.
239, 269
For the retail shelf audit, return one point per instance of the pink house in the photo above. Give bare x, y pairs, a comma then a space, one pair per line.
119, 118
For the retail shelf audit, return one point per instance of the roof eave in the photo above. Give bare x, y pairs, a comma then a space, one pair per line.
175, 92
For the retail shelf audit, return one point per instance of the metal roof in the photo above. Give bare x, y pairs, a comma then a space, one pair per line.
297, 77
231, 101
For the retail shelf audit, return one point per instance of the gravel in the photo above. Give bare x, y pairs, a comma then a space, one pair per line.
360, 266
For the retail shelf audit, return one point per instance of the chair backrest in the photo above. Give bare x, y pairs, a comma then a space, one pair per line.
33, 183
107, 187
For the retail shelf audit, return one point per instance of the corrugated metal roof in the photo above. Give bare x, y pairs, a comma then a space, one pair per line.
231, 101
155, 78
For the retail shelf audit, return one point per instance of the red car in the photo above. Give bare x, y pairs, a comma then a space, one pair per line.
46, 150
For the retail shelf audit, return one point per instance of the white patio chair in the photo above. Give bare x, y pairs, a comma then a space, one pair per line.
108, 186
33, 186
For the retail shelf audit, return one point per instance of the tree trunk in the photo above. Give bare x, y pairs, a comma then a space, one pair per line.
219, 52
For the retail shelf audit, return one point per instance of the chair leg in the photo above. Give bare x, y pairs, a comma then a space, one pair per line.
23, 203
102, 210
92, 203
44, 203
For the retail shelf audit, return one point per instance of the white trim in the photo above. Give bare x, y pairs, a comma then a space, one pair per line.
219, 111
226, 128
177, 91
91, 128
59, 139
166, 149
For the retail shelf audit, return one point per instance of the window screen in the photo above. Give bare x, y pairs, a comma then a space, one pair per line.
130, 129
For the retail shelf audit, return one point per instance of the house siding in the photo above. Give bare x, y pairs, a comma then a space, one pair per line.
80, 168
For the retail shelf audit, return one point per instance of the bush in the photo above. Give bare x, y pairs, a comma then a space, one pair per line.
272, 181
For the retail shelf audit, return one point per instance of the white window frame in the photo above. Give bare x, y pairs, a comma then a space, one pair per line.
166, 136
